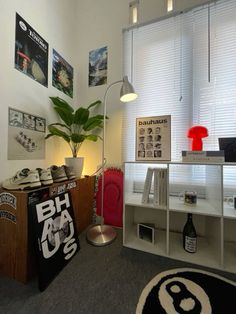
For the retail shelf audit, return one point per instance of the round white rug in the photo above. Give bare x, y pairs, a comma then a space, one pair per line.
187, 290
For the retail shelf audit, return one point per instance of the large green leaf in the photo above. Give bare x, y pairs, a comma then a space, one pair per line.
96, 103
56, 132
99, 116
81, 116
61, 103
92, 123
66, 115
77, 138
49, 135
62, 125
92, 137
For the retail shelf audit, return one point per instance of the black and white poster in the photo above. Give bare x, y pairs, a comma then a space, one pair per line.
153, 138
26, 135
62, 74
31, 52
55, 235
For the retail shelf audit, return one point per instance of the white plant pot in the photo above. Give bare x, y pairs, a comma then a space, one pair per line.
76, 164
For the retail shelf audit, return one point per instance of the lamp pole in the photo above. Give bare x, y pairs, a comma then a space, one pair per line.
103, 143
100, 235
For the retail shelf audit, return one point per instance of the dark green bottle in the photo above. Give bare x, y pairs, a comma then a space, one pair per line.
190, 236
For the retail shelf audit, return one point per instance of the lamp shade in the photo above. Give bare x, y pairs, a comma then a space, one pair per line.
127, 92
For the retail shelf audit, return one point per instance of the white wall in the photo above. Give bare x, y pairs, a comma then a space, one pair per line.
55, 21
73, 28
100, 24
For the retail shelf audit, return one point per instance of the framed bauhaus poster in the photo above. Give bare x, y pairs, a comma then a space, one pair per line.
153, 138
54, 232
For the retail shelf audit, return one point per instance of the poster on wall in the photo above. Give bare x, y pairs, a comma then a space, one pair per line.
55, 236
26, 135
31, 52
153, 138
98, 67
62, 74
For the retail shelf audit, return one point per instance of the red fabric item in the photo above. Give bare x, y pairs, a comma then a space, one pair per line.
113, 197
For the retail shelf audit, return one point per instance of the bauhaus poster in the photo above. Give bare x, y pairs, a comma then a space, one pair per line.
55, 236
31, 52
153, 138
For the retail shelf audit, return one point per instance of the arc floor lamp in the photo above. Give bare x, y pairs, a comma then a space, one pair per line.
100, 235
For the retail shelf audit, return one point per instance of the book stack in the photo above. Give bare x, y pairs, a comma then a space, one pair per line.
203, 156
159, 186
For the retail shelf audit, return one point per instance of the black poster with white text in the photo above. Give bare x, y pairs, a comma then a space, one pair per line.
55, 236
31, 52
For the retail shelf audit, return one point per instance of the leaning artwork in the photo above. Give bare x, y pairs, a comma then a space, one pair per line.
153, 138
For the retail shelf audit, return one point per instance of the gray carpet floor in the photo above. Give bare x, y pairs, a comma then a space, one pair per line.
98, 280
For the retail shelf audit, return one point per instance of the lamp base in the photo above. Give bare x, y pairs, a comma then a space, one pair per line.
100, 235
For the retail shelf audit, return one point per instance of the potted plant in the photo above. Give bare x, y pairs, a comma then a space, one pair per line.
76, 127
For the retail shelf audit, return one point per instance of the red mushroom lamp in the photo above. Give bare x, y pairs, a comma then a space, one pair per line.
197, 133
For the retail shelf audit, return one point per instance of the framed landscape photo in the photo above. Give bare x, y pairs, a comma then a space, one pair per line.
153, 138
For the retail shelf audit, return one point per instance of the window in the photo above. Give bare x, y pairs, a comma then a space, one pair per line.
184, 66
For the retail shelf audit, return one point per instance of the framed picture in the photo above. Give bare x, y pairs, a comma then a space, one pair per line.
26, 135
62, 74
146, 231
153, 138
98, 67
31, 52
228, 145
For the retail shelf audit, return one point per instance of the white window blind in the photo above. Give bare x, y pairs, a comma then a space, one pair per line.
184, 66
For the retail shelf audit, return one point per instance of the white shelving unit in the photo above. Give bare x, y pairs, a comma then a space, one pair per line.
213, 217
